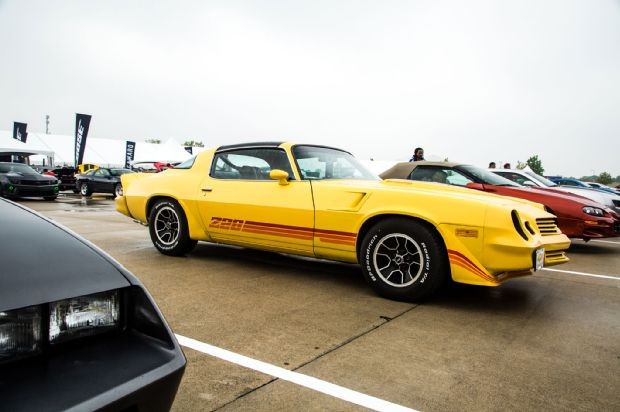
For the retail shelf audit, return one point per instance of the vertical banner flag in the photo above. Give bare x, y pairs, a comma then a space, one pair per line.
188, 149
82, 122
130, 149
19, 131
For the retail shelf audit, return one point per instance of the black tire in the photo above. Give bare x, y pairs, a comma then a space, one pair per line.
403, 260
118, 190
168, 228
85, 189
50, 197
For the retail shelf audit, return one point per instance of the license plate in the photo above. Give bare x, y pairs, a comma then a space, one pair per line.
539, 259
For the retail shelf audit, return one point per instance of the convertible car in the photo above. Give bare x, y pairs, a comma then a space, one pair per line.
78, 334
578, 217
408, 237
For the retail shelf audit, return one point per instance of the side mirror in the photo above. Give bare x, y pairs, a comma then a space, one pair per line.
280, 175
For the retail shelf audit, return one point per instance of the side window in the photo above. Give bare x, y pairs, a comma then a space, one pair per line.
250, 164
439, 175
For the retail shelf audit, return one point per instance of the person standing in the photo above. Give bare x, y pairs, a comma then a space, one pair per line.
418, 154
492, 165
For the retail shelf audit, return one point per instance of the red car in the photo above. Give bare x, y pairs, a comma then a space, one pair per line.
578, 217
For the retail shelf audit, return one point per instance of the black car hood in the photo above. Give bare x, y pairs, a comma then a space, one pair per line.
42, 262
29, 176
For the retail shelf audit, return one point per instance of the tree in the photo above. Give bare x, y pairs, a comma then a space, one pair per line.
155, 141
535, 164
194, 143
604, 178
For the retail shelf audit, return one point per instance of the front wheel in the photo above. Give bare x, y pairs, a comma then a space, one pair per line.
169, 230
403, 260
85, 190
118, 190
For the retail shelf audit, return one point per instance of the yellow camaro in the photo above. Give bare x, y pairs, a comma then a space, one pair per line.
408, 237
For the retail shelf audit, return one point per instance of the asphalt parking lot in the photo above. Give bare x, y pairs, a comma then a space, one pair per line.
265, 331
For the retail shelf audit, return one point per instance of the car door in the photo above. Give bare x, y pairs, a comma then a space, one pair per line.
101, 180
240, 204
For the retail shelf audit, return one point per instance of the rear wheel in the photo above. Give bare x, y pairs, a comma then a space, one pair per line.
403, 260
85, 190
169, 230
118, 190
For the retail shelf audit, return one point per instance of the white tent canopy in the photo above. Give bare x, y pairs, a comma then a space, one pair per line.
10, 145
103, 152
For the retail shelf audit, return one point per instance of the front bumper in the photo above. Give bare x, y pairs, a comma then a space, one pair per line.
18, 190
127, 372
137, 367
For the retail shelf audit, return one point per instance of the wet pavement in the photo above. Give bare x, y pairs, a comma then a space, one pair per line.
546, 342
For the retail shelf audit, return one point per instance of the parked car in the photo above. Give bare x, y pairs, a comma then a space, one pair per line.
20, 180
317, 201
101, 180
529, 178
85, 167
577, 217
603, 187
65, 176
80, 333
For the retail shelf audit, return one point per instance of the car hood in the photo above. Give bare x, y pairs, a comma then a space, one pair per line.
43, 262
562, 195
437, 189
29, 176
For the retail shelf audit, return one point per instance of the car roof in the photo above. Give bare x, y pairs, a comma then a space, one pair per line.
249, 145
44, 262
407, 167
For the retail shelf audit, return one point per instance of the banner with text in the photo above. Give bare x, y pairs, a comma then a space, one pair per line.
82, 123
130, 149
19, 131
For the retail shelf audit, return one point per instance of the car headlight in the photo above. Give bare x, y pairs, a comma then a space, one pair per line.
15, 180
22, 330
83, 316
594, 211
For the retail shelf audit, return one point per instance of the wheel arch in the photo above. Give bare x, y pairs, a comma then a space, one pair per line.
151, 203
382, 217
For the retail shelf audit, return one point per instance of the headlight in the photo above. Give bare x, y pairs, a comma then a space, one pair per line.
21, 330
594, 211
15, 180
83, 316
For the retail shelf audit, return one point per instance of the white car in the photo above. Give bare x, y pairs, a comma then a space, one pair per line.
529, 178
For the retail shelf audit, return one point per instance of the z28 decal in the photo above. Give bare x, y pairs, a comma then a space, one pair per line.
272, 229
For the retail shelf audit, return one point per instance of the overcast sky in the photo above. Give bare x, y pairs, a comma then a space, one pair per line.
474, 81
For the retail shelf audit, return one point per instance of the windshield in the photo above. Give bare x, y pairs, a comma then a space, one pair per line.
489, 178
317, 163
540, 178
20, 168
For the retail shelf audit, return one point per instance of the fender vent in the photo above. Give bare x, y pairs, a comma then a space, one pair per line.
517, 224
548, 226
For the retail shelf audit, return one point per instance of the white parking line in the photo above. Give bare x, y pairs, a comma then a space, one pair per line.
606, 241
583, 274
331, 389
